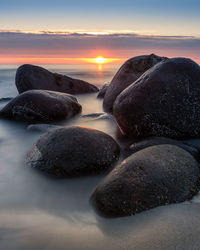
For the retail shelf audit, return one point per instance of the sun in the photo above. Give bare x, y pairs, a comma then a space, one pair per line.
100, 60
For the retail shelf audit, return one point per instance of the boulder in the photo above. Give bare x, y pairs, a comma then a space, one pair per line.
72, 152
41, 105
152, 177
33, 77
102, 91
152, 141
129, 72
164, 101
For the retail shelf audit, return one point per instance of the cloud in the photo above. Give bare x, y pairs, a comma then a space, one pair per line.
85, 44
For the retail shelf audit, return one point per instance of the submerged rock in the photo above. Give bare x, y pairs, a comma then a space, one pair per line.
6, 99
102, 91
164, 101
98, 116
33, 77
41, 105
152, 177
129, 72
93, 115
41, 127
73, 151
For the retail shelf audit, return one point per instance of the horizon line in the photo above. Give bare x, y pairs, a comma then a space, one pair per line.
74, 32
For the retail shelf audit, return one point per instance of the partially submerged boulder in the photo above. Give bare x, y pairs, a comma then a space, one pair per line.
41, 105
164, 101
72, 152
152, 177
98, 116
33, 77
41, 127
129, 72
152, 141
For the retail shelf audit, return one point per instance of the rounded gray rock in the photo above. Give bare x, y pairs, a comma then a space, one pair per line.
41, 105
164, 101
33, 77
152, 177
73, 151
129, 72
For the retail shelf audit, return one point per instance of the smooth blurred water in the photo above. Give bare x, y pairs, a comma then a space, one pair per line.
41, 213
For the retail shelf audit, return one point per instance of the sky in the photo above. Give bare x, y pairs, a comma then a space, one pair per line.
68, 31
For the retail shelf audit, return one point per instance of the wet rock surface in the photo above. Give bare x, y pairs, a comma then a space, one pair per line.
98, 116
129, 72
102, 91
164, 101
153, 141
41, 105
73, 152
34, 77
152, 177
41, 127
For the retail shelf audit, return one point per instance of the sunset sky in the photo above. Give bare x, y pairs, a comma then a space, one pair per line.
70, 31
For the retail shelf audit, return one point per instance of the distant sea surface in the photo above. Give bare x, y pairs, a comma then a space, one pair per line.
37, 213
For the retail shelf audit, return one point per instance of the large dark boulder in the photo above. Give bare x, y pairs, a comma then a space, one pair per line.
152, 177
40, 106
33, 77
164, 101
73, 151
129, 72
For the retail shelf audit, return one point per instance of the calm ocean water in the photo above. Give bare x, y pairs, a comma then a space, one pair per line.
45, 214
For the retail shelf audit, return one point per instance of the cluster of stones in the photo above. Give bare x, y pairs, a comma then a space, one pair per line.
45, 96
155, 101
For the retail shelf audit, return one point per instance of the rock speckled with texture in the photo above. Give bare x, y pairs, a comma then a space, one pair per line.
152, 177
73, 151
164, 101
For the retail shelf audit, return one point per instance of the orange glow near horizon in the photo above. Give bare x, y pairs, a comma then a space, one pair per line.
16, 59
100, 67
49, 58
100, 60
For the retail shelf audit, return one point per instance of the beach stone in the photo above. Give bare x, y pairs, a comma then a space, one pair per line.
152, 177
93, 115
152, 141
98, 116
73, 152
41, 127
164, 101
102, 91
41, 105
33, 77
6, 99
129, 72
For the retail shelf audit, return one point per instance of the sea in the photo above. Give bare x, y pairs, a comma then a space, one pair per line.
38, 213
